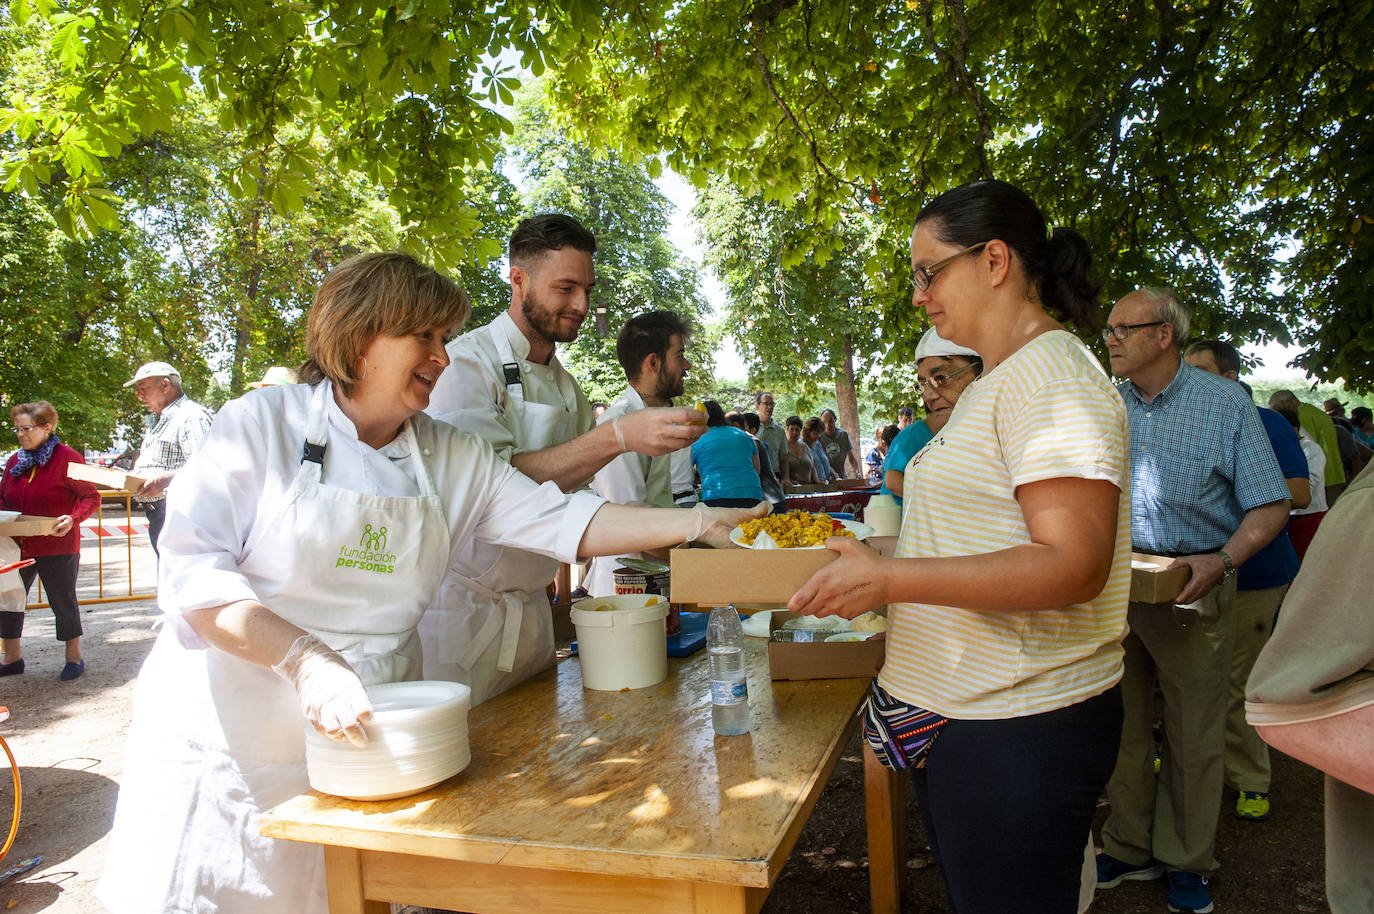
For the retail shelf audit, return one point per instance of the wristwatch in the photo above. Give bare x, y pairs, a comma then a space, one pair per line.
1226, 561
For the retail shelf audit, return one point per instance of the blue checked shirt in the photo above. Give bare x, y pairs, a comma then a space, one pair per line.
1199, 460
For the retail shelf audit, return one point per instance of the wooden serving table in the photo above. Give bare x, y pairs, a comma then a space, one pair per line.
584, 801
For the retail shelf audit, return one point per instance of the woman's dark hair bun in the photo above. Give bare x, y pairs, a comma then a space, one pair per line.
1069, 287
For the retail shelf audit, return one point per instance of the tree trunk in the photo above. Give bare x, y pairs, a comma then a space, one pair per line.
848, 402
242, 318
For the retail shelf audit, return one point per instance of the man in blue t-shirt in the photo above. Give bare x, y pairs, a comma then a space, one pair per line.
1261, 585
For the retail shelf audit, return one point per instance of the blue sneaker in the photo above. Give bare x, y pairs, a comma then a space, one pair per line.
1189, 892
1111, 872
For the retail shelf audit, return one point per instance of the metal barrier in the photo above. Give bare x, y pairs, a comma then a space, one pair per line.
127, 497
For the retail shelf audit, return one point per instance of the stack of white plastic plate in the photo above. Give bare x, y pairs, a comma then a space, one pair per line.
418, 736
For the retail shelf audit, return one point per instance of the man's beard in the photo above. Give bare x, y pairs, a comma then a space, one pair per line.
544, 320
668, 386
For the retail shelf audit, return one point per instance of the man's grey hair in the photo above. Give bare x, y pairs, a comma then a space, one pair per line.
1283, 398
1168, 308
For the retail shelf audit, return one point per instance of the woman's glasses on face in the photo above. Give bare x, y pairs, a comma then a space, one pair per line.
940, 379
924, 276
23, 429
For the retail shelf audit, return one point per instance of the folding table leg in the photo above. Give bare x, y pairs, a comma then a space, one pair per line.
885, 806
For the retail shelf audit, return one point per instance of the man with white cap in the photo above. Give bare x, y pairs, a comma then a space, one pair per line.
180, 425
943, 370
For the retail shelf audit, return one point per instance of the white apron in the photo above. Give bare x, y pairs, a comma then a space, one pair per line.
490, 627
216, 740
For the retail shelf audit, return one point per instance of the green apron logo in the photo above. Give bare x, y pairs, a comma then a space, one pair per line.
371, 553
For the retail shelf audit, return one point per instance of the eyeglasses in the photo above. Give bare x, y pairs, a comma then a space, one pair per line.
938, 381
24, 429
1121, 331
924, 276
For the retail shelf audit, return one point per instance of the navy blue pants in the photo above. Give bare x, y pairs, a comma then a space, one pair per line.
157, 516
1008, 805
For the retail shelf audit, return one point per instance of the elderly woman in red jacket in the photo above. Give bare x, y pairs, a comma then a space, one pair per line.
35, 481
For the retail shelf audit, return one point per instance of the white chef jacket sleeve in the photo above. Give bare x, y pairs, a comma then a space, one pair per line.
211, 508
471, 397
510, 508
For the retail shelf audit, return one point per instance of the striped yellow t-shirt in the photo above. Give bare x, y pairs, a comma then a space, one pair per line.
1047, 412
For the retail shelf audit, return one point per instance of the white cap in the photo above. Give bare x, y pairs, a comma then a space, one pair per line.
934, 344
275, 375
154, 370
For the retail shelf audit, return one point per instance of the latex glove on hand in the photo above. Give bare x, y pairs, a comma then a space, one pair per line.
332, 696
715, 524
659, 430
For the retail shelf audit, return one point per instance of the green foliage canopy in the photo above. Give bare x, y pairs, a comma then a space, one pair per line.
400, 93
1222, 148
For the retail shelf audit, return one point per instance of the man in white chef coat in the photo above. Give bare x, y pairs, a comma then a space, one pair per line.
652, 348
491, 626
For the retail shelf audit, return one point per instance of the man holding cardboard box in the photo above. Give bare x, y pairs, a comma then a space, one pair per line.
181, 426
1260, 586
1207, 490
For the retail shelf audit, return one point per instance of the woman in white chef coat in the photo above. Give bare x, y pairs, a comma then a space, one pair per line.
303, 543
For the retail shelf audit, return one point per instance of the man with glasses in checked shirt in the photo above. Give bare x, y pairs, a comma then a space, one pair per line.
1207, 490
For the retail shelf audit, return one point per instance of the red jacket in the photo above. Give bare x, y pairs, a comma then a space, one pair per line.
47, 492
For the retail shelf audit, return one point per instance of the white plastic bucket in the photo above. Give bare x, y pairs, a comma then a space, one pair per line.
625, 646
417, 737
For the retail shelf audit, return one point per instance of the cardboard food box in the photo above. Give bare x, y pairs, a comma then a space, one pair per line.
716, 577
108, 477
819, 659
851, 482
1151, 582
828, 488
28, 525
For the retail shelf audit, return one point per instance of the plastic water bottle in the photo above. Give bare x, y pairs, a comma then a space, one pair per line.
729, 685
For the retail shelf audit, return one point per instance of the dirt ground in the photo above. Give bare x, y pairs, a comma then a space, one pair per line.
69, 741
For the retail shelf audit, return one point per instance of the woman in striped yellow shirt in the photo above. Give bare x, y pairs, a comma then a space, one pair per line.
1008, 595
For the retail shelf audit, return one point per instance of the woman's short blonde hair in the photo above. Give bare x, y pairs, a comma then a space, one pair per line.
40, 411
374, 295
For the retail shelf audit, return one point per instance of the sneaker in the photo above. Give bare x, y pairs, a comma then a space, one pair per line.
1111, 872
1252, 805
1189, 892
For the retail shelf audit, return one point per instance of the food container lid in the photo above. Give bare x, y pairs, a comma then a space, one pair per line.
623, 609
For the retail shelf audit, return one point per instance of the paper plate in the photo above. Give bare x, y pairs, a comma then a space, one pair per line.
860, 530
756, 626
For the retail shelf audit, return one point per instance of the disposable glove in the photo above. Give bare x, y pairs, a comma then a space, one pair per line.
332, 696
